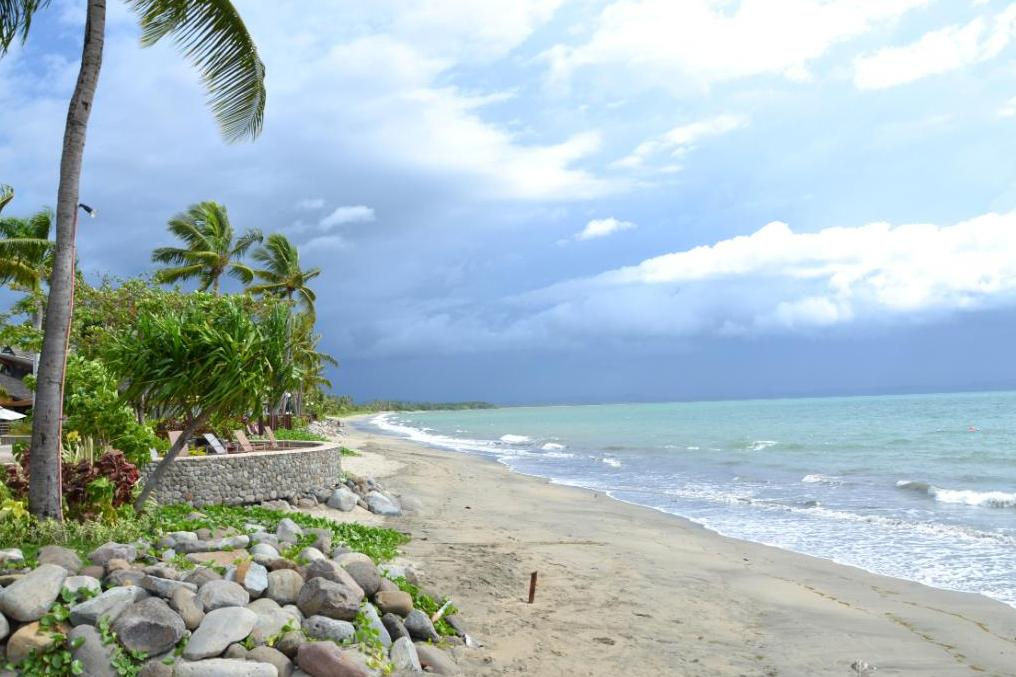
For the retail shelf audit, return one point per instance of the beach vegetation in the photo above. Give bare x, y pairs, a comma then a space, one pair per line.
211, 35
210, 249
428, 605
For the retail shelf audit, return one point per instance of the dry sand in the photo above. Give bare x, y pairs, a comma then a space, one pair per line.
625, 590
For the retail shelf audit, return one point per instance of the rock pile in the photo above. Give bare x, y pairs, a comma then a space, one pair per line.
243, 610
365, 492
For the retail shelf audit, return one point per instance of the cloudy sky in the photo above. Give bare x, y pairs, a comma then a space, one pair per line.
579, 200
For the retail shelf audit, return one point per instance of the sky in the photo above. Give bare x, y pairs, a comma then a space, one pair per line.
535, 201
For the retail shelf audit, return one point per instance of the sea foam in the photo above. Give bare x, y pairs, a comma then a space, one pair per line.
988, 499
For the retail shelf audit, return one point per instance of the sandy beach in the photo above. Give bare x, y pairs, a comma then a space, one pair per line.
625, 590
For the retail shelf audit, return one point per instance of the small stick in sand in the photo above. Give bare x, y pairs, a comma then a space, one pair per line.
532, 587
440, 612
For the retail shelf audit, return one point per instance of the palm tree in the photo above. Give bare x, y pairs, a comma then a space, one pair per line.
6, 195
210, 250
26, 259
211, 34
282, 275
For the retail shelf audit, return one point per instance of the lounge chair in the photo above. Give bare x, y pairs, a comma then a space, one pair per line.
173, 436
215, 444
245, 444
276, 444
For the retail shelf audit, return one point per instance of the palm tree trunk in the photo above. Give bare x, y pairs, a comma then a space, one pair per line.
156, 477
44, 491
37, 326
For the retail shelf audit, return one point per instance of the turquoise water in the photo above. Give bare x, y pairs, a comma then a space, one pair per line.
918, 487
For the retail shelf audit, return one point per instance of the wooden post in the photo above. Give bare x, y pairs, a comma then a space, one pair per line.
532, 587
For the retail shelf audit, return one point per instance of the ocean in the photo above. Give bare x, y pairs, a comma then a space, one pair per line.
921, 487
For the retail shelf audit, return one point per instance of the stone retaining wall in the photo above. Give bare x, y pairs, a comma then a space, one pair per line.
250, 478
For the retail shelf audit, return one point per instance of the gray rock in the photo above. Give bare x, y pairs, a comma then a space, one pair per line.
164, 587
288, 531
272, 620
325, 659
224, 667
228, 543
331, 571
420, 627
266, 654
77, 583
310, 554
403, 655
365, 574
95, 657
162, 571
284, 586
218, 594
320, 627
110, 604
375, 622
5, 628
186, 603
29, 597
290, 642
395, 627
436, 660
342, 499
327, 598
379, 504
111, 550
294, 611
10, 557
54, 554
339, 550
264, 550
236, 652
255, 580
124, 577
202, 575
183, 536
219, 629
149, 626
264, 538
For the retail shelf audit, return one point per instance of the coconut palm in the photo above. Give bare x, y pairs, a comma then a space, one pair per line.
26, 258
282, 275
211, 34
209, 250
6, 195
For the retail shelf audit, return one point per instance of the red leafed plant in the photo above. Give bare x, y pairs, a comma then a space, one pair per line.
89, 489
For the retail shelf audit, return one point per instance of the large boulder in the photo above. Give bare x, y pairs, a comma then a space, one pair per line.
394, 602
253, 577
65, 557
379, 504
218, 594
342, 499
75, 584
283, 586
29, 597
164, 587
219, 629
436, 660
202, 575
403, 655
5, 628
186, 603
266, 654
370, 613
110, 604
272, 620
395, 627
96, 658
325, 659
30, 637
321, 627
331, 571
363, 571
111, 550
320, 596
288, 531
149, 626
420, 627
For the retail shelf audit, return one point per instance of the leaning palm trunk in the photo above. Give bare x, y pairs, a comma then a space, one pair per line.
160, 470
44, 493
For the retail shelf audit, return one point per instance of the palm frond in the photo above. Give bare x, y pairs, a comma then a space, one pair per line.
171, 275
16, 21
241, 272
6, 192
246, 241
213, 36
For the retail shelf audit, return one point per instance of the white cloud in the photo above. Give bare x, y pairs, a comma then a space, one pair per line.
681, 139
311, 203
602, 228
708, 42
347, 214
1008, 109
941, 51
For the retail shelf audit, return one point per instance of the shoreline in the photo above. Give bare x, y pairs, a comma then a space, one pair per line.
648, 592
